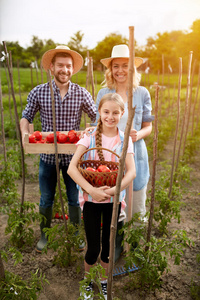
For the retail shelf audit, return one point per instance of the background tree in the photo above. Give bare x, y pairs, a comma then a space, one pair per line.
75, 43
104, 47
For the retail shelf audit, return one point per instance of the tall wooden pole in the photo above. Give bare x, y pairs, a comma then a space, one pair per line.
2, 125
189, 106
186, 107
155, 143
177, 125
195, 101
20, 96
56, 148
131, 112
17, 127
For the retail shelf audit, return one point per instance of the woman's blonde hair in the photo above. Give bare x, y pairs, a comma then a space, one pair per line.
110, 82
107, 97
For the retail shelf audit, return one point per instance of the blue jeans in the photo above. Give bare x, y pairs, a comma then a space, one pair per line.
48, 182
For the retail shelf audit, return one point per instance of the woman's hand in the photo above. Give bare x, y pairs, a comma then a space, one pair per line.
134, 135
99, 194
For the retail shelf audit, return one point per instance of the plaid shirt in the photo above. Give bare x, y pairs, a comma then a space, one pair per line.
68, 111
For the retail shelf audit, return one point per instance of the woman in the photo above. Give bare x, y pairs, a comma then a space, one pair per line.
116, 81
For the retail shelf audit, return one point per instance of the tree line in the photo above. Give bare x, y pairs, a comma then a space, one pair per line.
170, 45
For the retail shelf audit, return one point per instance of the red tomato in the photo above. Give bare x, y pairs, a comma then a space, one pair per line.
57, 216
38, 135
32, 138
98, 181
66, 217
72, 136
62, 138
43, 141
91, 169
103, 168
50, 138
112, 180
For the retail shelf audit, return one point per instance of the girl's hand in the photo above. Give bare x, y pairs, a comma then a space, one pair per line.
98, 194
134, 135
87, 131
110, 191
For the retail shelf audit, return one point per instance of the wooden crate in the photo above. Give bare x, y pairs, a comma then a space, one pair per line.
48, 148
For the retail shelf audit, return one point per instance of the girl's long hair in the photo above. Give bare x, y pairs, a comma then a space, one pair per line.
107, 97
110, 82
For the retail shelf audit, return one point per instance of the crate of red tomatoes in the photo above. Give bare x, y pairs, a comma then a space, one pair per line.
99, 172
43, 142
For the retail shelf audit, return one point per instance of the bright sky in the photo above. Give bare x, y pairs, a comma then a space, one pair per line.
60, 19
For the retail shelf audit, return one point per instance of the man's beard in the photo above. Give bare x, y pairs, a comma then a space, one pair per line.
62, 81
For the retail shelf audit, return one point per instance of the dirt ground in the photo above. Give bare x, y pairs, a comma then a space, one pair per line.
64, 282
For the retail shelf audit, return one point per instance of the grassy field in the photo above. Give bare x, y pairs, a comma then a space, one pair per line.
28, 78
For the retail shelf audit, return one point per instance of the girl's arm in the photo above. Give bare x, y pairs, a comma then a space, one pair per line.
97, 194
129, 175
142, 133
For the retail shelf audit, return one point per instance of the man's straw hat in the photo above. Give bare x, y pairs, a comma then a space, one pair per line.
48, 56
121, 51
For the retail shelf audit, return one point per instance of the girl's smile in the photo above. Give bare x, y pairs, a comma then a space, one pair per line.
111, 114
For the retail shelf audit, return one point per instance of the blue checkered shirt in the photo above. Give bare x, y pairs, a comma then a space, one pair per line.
68, 111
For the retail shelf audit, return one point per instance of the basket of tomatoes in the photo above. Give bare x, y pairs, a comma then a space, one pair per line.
99, 172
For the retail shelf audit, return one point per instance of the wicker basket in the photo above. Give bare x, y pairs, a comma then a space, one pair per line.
98, 179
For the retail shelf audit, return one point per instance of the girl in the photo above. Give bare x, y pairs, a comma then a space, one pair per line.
116, 81
96, 202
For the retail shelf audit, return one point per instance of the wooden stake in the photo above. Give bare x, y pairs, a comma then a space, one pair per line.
131, 112
56, 149
2, 126
177, 125
195, 102
189, 106
9, 92
41, 71
17, 127
19, 85
36, 70
186, 106
155, 143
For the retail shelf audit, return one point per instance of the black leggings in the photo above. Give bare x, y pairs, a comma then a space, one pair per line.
92, 213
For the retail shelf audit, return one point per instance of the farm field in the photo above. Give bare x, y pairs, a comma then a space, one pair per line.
64, 282
181, 281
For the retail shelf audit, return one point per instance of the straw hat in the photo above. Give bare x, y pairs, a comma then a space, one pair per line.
121, 51
48, 56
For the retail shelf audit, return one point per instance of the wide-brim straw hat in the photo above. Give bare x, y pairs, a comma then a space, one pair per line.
121, 51
48, 56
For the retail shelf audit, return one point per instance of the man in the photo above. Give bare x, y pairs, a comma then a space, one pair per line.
70, 101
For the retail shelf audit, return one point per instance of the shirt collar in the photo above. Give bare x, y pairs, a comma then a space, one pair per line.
55, 88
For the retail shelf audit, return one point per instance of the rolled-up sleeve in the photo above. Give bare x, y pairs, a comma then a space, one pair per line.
147, 108
89, 106
32, 106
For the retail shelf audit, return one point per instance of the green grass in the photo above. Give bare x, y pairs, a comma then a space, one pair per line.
30, 79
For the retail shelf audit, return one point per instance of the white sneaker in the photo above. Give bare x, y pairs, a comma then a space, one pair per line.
104, 289
88, 290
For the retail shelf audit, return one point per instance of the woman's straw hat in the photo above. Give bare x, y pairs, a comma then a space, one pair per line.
48, 56
121, 51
